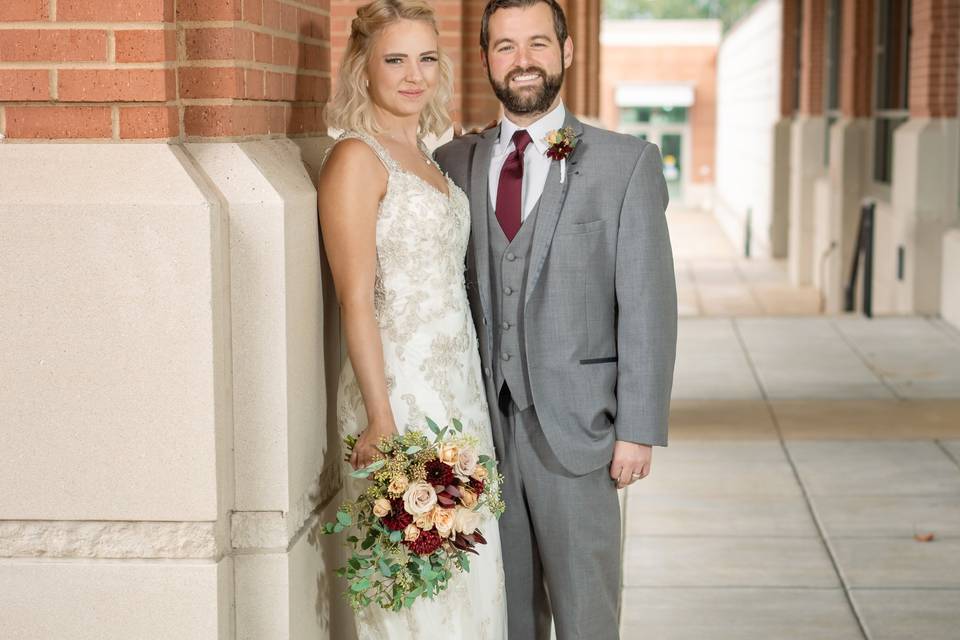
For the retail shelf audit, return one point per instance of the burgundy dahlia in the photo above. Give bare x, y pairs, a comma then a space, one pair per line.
398, 519
439, 474
559, 151
476, 486
426, 543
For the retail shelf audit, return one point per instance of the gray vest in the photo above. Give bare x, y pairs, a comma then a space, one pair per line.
508, 278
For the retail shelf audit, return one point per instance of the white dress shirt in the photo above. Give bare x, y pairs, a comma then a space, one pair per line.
536, 164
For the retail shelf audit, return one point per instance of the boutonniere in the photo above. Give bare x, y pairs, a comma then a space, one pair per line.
562, 143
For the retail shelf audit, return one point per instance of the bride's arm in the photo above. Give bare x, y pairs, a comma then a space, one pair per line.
351, 185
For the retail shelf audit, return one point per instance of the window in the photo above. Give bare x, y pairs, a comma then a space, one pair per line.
832, 71
652, 115
892, 77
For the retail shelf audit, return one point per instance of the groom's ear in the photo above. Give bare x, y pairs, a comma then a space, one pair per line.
483, 58
567, 52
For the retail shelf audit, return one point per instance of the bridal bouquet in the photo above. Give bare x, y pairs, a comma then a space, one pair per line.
418, 520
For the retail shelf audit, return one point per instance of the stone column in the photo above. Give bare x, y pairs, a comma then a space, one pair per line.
806, 145
924, 190
780, 154
166, 379
849, 175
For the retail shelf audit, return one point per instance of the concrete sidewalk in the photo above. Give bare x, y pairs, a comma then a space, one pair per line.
806, 454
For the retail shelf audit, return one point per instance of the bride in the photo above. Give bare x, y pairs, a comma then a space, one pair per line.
395, 230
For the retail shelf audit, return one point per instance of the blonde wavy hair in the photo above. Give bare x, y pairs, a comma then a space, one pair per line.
349, 110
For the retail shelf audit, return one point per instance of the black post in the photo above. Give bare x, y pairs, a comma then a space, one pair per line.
749, 233
868, 220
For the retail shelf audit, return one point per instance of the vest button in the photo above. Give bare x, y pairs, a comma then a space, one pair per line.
510, 257
506, 325
507, 290
486, 371
505, 356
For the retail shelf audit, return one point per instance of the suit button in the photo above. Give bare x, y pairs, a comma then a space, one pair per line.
510, 257
505, 356
508, 290
486, 371
506, 325
484, 322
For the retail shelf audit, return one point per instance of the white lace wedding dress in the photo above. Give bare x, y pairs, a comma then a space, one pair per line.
433, 369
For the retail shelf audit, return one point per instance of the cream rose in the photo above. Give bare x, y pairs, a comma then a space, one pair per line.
466, 461
466, 520
381, 507
468, 497
398, 484
449, 453
443, 521
480, 473
419, 498
411, 533
424, 522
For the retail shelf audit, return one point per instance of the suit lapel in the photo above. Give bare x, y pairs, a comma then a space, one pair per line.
551, 204
479, 187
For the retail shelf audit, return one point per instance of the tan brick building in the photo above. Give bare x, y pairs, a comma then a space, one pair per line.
658, 82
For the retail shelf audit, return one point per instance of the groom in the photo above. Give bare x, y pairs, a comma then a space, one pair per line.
570, 275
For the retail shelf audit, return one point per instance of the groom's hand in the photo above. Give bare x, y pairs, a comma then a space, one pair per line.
631, 462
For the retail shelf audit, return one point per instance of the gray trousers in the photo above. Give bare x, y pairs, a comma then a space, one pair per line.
560, 536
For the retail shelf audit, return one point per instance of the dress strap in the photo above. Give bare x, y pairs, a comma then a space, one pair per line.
385, 157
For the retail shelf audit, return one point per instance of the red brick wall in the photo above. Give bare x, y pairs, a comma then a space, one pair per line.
813, 51
694, 64
788, 58
856, 58
135, 69
934, 58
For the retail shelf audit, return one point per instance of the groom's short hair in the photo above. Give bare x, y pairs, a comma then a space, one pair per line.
559, 19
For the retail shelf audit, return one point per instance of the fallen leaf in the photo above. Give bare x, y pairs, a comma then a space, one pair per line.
923, 537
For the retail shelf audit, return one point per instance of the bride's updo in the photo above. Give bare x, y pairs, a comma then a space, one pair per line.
349, 110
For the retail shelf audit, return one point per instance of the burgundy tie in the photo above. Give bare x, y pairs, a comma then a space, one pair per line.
511, 186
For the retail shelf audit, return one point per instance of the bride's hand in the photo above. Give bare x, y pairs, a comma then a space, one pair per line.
366, 451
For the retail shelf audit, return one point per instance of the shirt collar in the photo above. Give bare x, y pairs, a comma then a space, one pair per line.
538, 130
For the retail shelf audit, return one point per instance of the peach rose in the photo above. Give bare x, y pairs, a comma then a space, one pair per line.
381, 507
480, 473
466, 462
424, 522
411, 533
398, 484
443, 521
419, 498
468, 497
466, 520
449, 453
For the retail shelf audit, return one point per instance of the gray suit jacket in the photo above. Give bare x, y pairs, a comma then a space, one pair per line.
600, 313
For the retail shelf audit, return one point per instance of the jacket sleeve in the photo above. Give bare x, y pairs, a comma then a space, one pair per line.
646, 306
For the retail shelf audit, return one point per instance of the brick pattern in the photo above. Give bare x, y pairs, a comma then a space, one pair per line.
813, 50
856, 58
934, 58
163, 69
788, 57
696, 65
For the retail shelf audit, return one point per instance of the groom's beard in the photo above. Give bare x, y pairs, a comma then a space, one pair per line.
528, 101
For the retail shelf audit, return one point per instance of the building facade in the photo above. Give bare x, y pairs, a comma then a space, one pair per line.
867, 114
169, 339
658, 82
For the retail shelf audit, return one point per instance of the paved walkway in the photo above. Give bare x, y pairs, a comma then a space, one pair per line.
806, 454
809, 457
714, 280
